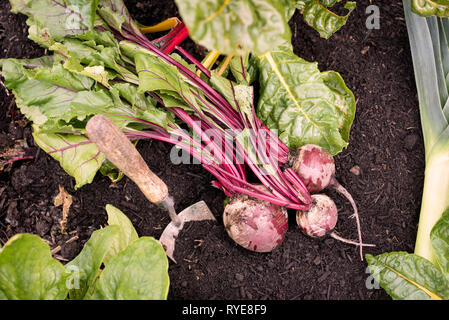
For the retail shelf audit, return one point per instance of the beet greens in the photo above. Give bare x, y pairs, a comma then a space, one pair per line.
111, 68
102, 63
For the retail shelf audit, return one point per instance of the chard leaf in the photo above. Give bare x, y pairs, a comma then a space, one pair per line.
45, 93
29, 272
317, 15
143, 106
192, 67
97, 73
345, 101
86, 266
156, 75
427, 8
140, 272
244, 69
61, 98
60, 77
126, 235
97, 39
130, 49
108, 169
304, 105
240, 96
289, 8
116, 15
75, 153
94, 52
36, 89
244, 96
439, 237
406, 276
56, 19
239, 69
173, 99
223, 86
237, 26
16, 64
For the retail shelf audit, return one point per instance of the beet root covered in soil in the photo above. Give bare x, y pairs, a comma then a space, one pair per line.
255, 224
382, 168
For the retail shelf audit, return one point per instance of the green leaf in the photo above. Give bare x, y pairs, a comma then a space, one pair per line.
407, 276
97, 73
156, 75
237, 26
142, 106
239, 68
108, 169
60, 98
75, 153
45, 61
56, 19
130, 49
244, 69
126, 235
36, 91
116, 15
93, 50
225, 87
140, 272
29, 272
345, 101
289, 8
317, 14
240, 96
244, 96
304, 105
427, 8
85, 267
439, 237
60, 76
52, 97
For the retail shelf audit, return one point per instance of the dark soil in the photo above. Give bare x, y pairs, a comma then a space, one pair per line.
386, 145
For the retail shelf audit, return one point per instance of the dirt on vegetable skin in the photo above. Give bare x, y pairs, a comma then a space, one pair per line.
383, 168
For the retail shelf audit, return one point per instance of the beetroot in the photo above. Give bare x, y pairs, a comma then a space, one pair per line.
255, 224
316, 167
320, 219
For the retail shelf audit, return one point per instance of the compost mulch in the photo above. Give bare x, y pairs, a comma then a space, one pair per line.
383, 168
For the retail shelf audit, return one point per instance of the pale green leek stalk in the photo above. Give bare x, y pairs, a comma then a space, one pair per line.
430, 51
434, 201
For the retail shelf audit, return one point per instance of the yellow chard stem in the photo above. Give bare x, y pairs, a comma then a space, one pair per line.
209, 60
165, 25
225, 64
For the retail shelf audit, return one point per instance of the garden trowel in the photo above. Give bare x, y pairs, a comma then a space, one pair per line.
121, 152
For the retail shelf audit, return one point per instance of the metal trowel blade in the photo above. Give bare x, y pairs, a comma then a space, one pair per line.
196, 212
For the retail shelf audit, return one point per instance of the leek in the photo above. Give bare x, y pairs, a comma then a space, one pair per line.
430, 52
424, 274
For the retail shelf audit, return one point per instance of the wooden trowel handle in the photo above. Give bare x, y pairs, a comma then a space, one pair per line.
122, 153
